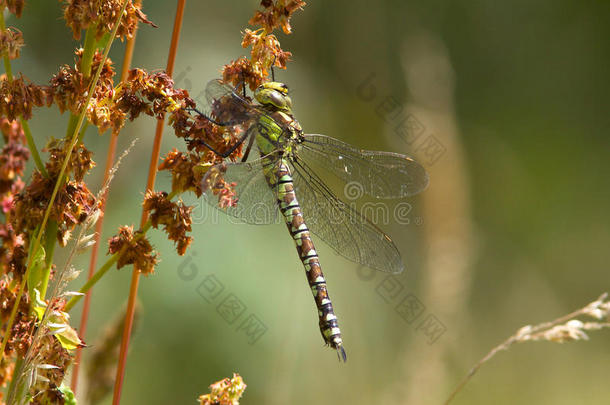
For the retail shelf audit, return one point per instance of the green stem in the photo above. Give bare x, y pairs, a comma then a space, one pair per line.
7, 66
71, 125
86, 62
49, 247
32, 146
88, 51
81, 135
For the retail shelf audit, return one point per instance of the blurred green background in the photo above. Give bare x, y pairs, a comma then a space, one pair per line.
513, 229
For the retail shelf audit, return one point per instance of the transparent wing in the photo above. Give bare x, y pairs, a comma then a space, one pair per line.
379, 174
241, 190
226, 105
342, 227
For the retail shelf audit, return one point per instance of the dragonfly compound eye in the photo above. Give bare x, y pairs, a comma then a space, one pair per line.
271, 96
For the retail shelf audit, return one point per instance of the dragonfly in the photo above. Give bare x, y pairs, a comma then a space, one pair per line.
286, 181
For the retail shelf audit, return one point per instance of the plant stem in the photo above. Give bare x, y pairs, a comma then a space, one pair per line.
32, 146
85, 68
152, 173
59, 182
88, 51
49, 247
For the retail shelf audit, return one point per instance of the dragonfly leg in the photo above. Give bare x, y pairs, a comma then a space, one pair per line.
212, 120
247, 152
243, 83
232, 148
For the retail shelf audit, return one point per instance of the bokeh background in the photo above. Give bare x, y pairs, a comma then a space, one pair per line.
504, 103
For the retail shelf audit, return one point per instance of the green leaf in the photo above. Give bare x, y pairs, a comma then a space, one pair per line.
40, 306
69, 398
38, 265
58, 323
69, 339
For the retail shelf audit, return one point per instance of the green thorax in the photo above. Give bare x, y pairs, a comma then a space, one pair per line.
276, 128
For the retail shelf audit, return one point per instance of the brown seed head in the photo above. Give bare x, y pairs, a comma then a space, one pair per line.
137, 252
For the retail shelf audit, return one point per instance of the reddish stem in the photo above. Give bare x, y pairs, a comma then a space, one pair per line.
152, 174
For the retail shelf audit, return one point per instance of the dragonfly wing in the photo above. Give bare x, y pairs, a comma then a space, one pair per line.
226, 105
379, 174
345, 229
241, 190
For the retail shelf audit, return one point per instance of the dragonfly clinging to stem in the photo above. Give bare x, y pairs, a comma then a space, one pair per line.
283, 180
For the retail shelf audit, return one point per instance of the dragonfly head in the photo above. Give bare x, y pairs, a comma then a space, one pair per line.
274, 94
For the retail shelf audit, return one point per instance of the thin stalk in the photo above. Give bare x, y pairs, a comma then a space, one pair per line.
58, 183
85, 67
32, 146
24, 123
114, 136
152, 174
49, 247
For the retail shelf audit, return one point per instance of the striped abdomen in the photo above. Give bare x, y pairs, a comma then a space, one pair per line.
289, 206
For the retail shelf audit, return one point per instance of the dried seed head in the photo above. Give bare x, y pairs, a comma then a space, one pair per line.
276, 13
137, 250
72, 206
227, 391
18, 97
14, 6
81, 14
11, 42
187, 171
175, 218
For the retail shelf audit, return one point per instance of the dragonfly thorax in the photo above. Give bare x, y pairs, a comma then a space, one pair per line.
274, 94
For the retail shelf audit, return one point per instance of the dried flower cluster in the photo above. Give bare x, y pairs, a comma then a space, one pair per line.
21, 334
134, 250
82, 14
12, 165
175, 218
11, 41
69, 86
569, 328
227, 391
266, 50
74, 202
18, 97
276, 14
13, 160
563, 329
14, 6
187, 170
51, 364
